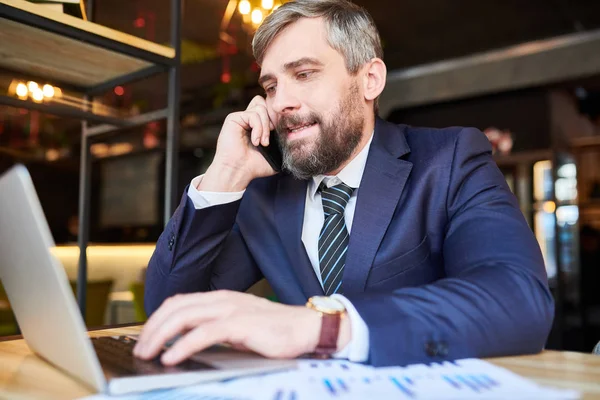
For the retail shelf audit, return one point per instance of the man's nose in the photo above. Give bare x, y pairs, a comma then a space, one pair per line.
285, 101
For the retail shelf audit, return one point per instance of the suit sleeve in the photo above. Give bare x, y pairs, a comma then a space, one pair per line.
199, 250
494, 299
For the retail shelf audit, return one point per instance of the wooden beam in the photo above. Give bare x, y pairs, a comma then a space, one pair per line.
525, 65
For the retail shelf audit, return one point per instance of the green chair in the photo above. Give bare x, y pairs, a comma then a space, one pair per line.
96, 301
263, 289
8, 323
137, 288
95, 309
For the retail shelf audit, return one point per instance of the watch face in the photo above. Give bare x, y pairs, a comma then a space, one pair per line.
327, 304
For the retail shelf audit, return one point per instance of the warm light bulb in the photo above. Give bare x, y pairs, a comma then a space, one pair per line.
549, 207
37, 94
31, 85
244, 7
22, 90
48, 91
267, 4
52, 154
257, 16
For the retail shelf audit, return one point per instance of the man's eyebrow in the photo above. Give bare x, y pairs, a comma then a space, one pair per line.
302, 61
292, 65
265, 78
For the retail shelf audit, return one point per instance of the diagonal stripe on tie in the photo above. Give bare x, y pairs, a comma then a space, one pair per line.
334, 281
334, 237
326, 234
343, 192
333, 248
333, 261
340, 197
333, 206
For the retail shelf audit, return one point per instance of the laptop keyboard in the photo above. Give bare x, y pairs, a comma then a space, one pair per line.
116, 356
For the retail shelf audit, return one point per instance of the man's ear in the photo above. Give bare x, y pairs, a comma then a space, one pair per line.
374, 77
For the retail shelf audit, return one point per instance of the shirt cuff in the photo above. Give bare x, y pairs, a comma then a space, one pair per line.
358, 348
208, 199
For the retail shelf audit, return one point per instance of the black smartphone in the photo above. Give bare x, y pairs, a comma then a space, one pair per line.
272, 152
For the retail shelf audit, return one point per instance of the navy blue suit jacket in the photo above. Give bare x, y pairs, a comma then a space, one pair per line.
441, 263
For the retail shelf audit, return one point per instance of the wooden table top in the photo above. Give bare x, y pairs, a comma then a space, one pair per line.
25, 376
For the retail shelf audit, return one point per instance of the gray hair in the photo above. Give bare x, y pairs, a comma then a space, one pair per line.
350, 29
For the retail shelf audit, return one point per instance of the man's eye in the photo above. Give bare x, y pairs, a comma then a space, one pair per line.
303, 75
270, 90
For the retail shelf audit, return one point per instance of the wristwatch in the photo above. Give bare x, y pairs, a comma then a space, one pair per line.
331, 311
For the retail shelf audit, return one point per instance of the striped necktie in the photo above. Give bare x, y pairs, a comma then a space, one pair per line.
334, 237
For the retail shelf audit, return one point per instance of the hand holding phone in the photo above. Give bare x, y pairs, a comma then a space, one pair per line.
272, 152
246, 140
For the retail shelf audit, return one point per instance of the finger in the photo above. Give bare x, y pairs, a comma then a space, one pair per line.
256, 101
174, 303
185, 319
197, 340
169, 306
179, 322
264, 116
248, 121
254, 122
259, 105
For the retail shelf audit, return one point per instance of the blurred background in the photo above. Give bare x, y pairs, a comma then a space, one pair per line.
527, 73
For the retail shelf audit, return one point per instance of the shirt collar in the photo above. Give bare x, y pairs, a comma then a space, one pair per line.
351, 175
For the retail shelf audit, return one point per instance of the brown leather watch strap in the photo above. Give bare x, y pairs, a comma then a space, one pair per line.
330, 329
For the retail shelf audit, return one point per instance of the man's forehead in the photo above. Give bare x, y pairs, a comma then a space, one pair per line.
305, 38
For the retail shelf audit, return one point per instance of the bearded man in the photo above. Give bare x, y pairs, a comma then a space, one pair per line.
385, 244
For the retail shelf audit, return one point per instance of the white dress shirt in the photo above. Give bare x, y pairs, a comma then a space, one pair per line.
358, 348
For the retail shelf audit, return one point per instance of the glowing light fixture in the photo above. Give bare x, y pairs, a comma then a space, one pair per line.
244, 7
37, 95
52, 155
22, 90
252, 13
48, 91
33, 90
257, 16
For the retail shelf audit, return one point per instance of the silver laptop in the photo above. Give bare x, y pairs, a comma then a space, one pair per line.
48, 316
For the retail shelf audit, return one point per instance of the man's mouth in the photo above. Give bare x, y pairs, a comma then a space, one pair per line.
298, 128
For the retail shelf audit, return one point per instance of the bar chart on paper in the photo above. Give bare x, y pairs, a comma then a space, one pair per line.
462, 379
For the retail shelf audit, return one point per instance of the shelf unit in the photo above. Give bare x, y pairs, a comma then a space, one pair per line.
589, 213
589, 206
89, 58
520, 164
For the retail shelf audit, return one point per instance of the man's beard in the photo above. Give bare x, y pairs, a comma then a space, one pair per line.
339, 136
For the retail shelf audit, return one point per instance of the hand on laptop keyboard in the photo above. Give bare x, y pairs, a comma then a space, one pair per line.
245, 321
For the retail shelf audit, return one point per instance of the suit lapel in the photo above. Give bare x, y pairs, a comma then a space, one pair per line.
289, 217
381, 186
